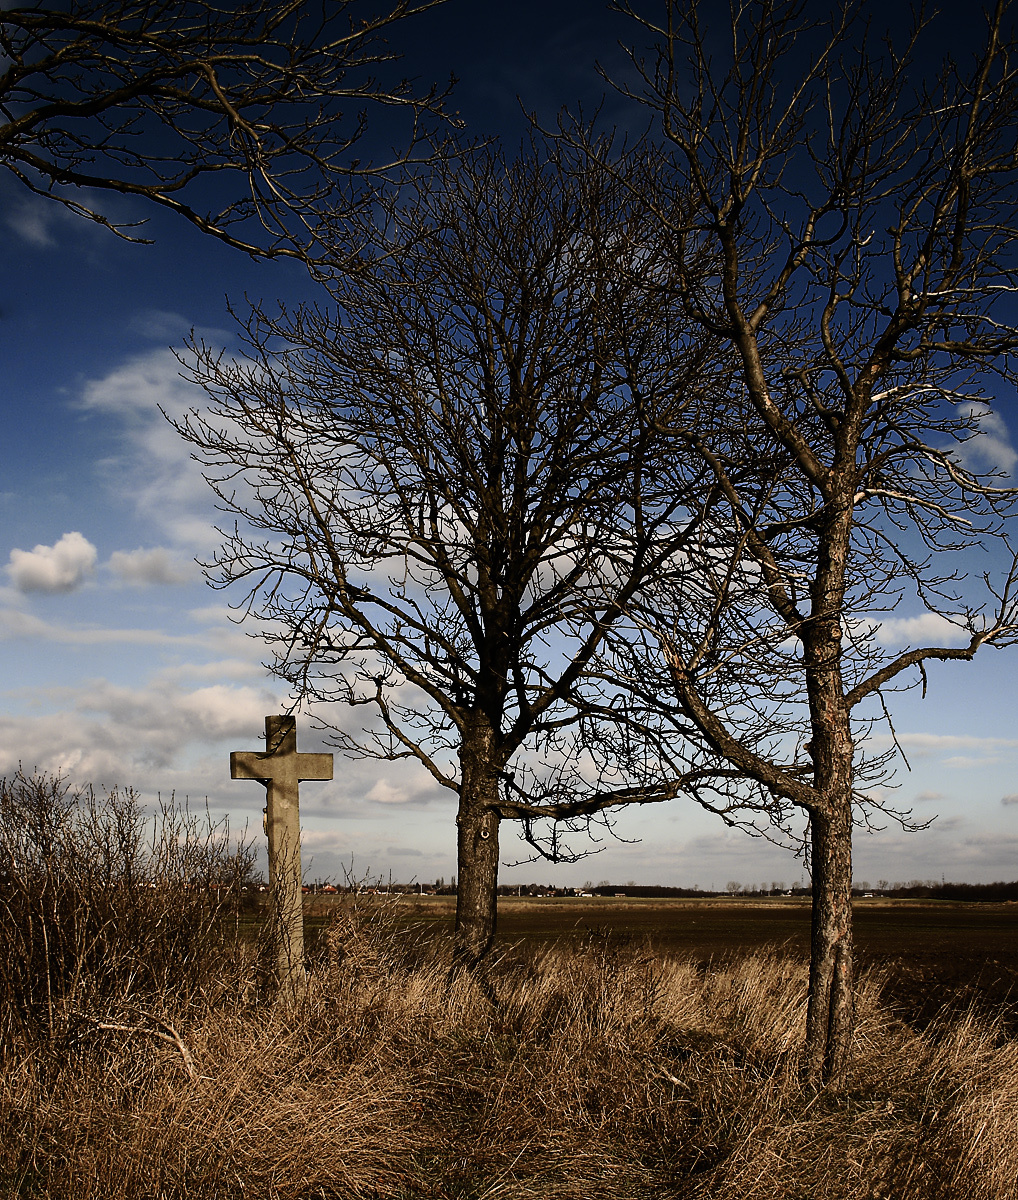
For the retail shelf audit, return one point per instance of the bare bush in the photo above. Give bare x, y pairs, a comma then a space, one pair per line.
105, 910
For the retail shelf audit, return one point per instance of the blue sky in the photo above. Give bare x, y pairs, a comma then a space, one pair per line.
120, 665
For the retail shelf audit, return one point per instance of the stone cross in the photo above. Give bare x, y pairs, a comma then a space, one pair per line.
282, 769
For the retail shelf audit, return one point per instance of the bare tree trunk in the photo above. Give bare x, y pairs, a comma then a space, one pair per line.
477, 849
831, 1014
476, 884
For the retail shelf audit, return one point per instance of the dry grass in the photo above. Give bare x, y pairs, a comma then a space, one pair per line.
602, 1074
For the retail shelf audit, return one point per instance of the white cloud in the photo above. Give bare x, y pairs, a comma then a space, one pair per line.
23, 626
1007, 801
31, 222
58, 568
238, 653
219, 670
923, 797
105, 733
967, 761
384, 793
927, 629
172, 328
154, 468
158, 565
208, 614
39, 220
139, 386
164, 714
954, 741
994, 847
935, 852
223, 710
953, 749
410, 789
990, 449
326, 839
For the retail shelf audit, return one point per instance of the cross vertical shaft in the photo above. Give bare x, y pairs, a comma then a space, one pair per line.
281, 769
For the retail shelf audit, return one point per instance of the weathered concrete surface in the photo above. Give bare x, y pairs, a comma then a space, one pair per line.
282, 769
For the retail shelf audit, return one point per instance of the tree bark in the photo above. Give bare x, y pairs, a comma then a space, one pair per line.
830, 1017
477, 846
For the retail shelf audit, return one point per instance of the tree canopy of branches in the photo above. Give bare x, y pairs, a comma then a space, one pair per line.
154, 98
447, 489
861, 222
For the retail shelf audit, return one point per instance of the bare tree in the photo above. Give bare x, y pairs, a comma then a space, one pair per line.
195, 103
448, 491
861, 222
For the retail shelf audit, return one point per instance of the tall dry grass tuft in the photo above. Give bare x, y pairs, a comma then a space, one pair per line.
600, 1075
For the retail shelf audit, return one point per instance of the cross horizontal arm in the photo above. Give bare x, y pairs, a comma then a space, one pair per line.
255, 764
250, 764
314, 766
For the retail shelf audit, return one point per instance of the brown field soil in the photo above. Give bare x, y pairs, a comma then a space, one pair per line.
938, 957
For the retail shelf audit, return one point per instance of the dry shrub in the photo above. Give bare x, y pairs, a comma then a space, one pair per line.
600, 1075
104, 909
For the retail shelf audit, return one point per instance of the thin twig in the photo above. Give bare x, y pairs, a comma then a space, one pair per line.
165, 1033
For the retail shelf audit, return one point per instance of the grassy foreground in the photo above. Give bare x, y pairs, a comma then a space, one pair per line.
615, 1073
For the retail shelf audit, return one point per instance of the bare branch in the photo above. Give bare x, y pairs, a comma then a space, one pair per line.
149, 98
